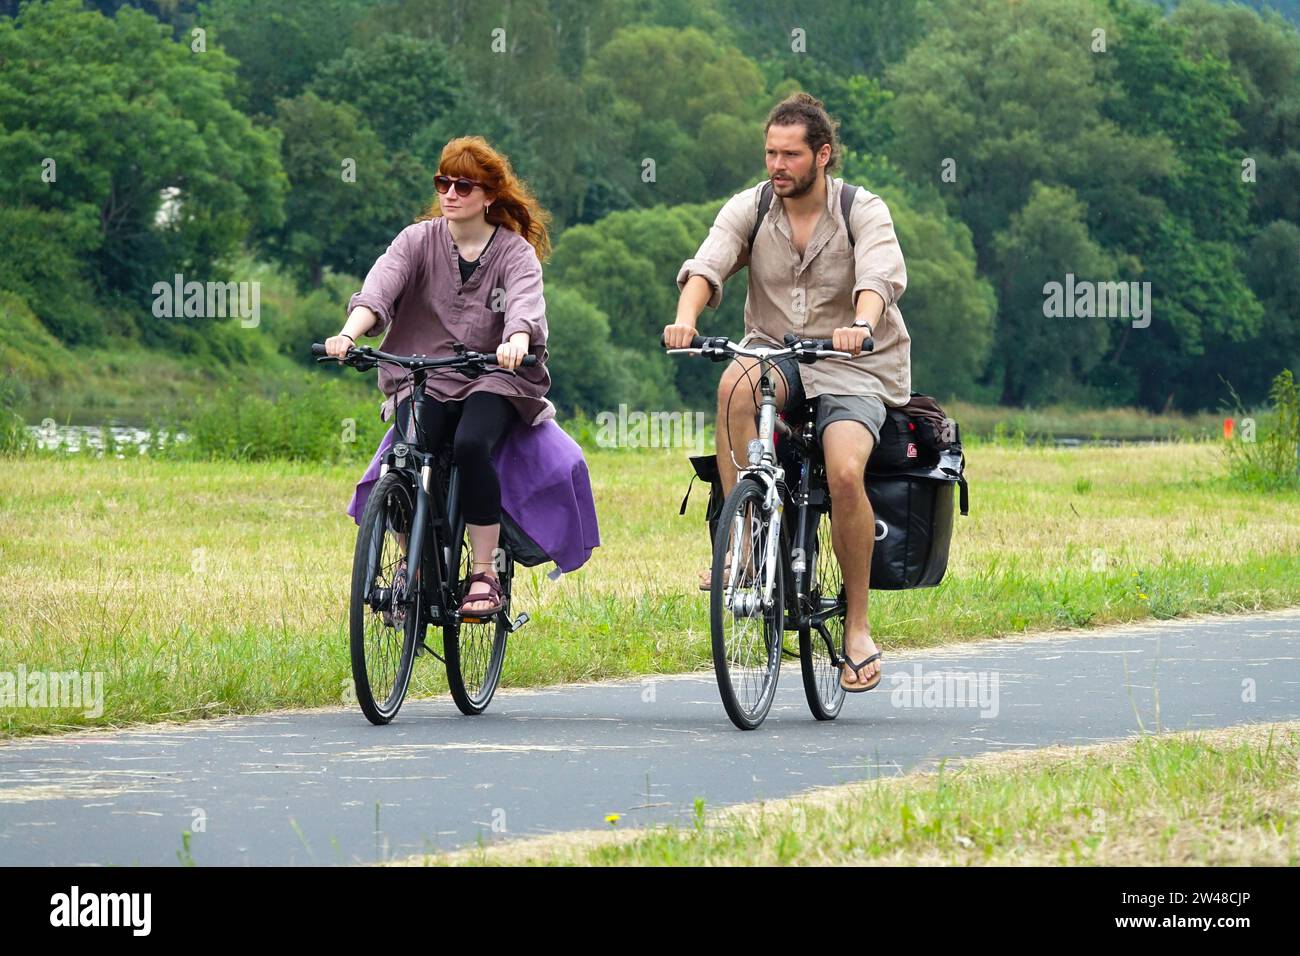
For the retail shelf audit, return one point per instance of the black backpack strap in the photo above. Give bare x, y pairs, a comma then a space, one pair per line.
847, 195
764, 204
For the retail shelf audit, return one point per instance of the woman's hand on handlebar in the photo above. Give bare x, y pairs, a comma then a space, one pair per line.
338, 345
679, 335
510, 354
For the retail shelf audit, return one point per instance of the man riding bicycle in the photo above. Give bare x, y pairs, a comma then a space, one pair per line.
815, 275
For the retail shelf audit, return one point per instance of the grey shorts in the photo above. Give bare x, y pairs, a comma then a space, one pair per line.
868, 410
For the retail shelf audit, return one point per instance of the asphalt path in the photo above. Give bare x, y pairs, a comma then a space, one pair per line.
325, 787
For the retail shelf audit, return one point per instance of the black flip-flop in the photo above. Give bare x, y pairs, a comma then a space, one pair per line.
857, 672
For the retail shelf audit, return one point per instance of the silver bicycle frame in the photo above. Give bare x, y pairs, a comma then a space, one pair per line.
762, 467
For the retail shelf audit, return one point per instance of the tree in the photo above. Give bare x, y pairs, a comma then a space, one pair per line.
348, 198
130, 115
280, 44
1044, 242
948, 309
583, 372
399, 84
998, 99
1263, 53
699, 122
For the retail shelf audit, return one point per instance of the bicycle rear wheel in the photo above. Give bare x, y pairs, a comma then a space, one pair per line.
746, 633
385, 611
476, 647
817, 655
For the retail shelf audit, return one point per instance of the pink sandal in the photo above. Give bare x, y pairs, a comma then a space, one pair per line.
494, 594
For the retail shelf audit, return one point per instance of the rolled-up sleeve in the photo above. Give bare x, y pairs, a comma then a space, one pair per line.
726, 248
387, 279
878, 259
525, 306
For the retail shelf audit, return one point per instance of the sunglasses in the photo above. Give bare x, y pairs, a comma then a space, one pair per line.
463, 186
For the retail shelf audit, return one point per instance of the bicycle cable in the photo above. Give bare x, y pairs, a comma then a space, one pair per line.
747, 370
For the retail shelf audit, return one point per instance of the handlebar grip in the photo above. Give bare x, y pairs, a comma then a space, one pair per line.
822, 345
529, 361
697, 341
317, 348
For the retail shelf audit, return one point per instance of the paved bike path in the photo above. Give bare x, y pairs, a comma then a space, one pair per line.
324, 787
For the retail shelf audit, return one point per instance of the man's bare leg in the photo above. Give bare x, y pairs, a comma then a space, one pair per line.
847, 446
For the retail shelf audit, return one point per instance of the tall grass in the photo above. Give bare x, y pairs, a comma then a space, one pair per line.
1269, 459
326, 423
222, 588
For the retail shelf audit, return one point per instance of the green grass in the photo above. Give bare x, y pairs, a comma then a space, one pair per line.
1224, 797
207, 589
1064, 421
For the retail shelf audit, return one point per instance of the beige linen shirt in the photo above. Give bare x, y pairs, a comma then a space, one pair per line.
815, 295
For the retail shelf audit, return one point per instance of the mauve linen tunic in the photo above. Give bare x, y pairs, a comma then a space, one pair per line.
415, 290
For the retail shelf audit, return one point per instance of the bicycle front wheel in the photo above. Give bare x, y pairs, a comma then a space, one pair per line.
823, 630
746, 613
385, 609
476, 647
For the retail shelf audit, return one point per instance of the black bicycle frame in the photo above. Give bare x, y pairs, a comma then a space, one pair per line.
435, 567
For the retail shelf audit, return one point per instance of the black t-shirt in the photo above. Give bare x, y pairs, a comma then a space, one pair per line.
467, 268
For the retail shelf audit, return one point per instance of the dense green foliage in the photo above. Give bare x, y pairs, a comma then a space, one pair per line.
1114, 141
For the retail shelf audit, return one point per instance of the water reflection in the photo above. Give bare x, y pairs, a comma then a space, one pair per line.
119, 440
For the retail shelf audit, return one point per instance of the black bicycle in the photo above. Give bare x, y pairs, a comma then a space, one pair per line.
413, 557
773, 539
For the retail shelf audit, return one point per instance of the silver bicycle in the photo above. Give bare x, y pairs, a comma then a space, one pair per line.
771, 537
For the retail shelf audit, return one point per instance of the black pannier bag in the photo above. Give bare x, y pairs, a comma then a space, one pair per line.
914, 515
706, 469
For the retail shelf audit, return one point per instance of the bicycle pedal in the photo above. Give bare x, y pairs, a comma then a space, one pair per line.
519, 622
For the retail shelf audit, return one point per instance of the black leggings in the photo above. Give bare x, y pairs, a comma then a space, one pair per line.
478, 421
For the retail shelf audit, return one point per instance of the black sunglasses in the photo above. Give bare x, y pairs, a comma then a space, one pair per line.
463, 186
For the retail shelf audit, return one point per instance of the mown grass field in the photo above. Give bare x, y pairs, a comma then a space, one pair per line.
1228, 797
206, 589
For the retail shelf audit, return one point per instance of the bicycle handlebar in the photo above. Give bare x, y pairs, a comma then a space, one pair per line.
369, 357
719, 347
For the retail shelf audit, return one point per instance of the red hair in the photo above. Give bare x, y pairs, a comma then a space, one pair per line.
513, 204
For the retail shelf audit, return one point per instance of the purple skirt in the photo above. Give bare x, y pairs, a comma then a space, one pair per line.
545, 489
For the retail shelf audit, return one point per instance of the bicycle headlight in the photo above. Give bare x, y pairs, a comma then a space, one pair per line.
755, 451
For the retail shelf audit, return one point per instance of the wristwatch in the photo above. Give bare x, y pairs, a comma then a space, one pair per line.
865, 325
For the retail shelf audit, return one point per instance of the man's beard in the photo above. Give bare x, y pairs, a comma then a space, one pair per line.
797, 187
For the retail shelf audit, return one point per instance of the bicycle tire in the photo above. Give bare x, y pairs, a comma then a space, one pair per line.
389, 511
747, 684
821, 677
475, 649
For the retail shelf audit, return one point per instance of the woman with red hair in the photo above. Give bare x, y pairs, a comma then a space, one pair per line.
470, 272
